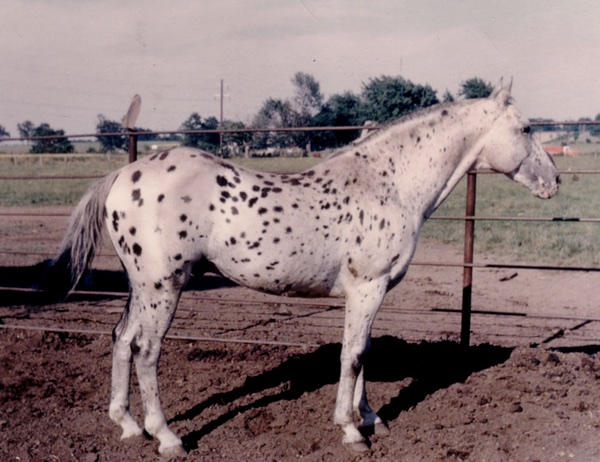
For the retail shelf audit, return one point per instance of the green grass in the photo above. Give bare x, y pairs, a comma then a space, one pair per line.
565, 243
38, 192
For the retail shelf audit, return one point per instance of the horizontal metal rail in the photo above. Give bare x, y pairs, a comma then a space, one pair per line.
169, 336
260, 130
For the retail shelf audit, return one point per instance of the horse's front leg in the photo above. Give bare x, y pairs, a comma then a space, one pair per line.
362, 303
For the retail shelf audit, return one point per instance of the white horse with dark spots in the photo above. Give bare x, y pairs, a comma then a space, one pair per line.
346, 228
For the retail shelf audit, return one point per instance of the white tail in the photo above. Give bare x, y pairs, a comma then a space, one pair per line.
81, 240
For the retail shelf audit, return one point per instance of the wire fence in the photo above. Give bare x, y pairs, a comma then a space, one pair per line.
469, 218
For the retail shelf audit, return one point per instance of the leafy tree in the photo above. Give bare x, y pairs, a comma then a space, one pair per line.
448, 97
595, 129
239, 139
118, 142
387, 98
475, 88
53, 145
543, 128
3, 132
306, 103
339, 111
26, 129
274, 114
206, 141
308, 99
110, 143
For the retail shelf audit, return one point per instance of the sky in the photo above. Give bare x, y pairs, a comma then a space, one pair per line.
64, 62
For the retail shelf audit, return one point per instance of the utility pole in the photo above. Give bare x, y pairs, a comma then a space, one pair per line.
221, 120
221, 96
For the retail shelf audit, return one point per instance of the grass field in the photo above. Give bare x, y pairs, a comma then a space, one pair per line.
565, 243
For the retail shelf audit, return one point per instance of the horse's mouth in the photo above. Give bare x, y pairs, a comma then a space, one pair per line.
547, 191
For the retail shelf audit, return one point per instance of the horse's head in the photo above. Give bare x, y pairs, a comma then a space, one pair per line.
510, 148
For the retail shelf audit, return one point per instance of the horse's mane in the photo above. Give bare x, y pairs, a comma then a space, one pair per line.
405, 119
418, 114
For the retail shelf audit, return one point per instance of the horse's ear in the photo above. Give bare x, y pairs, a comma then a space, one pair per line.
501, 92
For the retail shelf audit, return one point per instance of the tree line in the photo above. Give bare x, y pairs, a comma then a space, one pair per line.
381, 100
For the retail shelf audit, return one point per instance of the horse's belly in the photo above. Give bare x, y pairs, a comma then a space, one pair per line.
292, 277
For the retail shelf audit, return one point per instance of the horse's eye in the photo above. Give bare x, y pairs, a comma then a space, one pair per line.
526, 130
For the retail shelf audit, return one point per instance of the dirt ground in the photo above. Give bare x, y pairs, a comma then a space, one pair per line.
250, 377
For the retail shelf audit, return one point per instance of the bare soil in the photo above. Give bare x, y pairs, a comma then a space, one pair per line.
251, 377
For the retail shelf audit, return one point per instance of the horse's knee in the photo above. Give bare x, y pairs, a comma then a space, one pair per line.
145, 351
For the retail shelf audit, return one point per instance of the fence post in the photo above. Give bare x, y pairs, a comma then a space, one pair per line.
465, 333
132, 146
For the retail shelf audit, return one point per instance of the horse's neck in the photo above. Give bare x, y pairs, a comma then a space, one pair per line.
436, 153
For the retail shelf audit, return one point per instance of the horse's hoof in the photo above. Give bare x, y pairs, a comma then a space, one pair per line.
174, 452
131, 431
381, 429
359, 447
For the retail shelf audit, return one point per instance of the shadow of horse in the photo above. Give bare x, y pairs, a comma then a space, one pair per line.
16, 278
431, 365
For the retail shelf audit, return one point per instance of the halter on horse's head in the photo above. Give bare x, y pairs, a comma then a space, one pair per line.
511, 148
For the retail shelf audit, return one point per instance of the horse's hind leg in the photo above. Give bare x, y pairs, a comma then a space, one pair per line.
121, 377
140, 337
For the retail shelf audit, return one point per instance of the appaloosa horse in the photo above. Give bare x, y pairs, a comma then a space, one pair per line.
346, 228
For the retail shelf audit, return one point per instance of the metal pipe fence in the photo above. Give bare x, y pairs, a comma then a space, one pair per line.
469, 218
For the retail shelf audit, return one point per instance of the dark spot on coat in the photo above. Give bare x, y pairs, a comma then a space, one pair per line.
132, 230
262, 211
278, 209
137, 249
136, 176
186, 199
182, 234
158, 285
211, 208
115, 222
164, 155
134, 347
171, 168
222, 181
135, 195
183, 217
234, 211
252, 201
243, 195
161, 197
